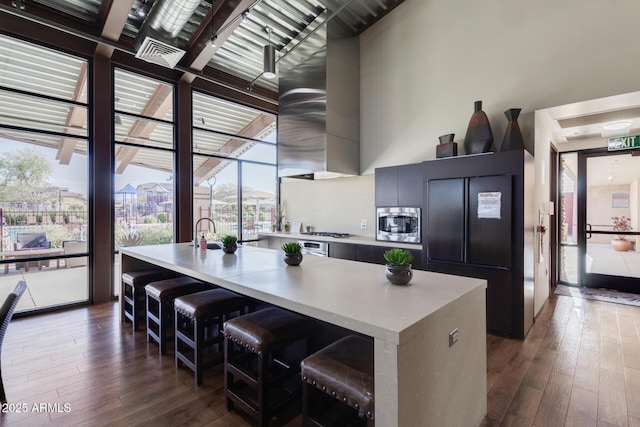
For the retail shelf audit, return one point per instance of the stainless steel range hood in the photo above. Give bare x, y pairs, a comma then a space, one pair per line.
319, 110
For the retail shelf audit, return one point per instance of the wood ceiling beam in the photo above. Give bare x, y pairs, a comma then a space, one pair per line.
111, 20
199, 49
27, 24
252, 130
76, 117
159, 103
46, 13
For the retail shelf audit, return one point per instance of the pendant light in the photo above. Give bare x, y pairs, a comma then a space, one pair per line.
269, 69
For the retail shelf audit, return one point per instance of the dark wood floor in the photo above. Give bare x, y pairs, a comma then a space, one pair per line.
579, 366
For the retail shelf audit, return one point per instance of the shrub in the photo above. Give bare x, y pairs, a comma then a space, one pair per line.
162, 217
150, 220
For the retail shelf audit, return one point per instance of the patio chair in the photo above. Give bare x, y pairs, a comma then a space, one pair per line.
75, 247
29, 241
6, 313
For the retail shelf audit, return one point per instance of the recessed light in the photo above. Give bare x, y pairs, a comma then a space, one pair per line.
617, 125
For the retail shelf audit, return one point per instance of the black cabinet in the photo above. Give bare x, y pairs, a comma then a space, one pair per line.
478, 222
410, 185
445, 215
342, 251
386, 186
399, 186
373, 254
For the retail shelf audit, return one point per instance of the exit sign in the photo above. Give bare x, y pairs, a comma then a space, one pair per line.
624, 142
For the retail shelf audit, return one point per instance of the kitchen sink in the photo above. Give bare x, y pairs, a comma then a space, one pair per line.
211, 246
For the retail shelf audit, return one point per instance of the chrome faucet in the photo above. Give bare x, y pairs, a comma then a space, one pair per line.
195, 231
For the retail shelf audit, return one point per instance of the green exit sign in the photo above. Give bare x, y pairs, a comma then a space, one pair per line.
624, 142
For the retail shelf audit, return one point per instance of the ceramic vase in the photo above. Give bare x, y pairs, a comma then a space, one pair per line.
399, 274
446, 148
479, 137
621, 245
293, 259
229, 248
512, 136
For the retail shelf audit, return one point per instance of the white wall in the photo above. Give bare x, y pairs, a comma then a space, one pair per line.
336, 205
425, 63
634, 208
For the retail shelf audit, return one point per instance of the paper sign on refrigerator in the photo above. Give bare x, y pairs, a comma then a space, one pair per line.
489, 204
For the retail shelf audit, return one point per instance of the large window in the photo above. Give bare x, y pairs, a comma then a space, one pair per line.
234, 168
144, 161
43, 175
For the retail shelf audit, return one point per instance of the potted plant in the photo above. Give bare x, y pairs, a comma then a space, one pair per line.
292, 253
229, 243
398, 269
619, 243
287, 227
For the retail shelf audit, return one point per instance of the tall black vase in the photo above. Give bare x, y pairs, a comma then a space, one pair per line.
512, 136
479, 138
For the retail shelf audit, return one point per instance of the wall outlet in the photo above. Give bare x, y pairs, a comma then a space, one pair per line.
363, 224
453, 337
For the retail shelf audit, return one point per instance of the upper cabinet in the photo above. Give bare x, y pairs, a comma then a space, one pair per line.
399, 186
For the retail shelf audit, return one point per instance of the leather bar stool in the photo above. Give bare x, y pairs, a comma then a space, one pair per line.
260, 367
133, 295
160, 297
344, 371
199, 318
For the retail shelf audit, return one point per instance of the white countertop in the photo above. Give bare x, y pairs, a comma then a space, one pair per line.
350, 294
354, 240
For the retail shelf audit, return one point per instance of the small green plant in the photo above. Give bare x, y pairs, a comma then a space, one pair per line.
162, 217
291, 247
398, 256
228, 239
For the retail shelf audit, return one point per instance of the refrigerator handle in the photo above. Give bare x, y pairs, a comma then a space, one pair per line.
588, 230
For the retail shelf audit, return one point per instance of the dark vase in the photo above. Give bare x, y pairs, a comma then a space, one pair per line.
479, 138
512, 136
446, 148
229, 248
399, 274
293, 258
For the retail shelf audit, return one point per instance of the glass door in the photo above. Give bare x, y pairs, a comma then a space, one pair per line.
568, 220
608, 205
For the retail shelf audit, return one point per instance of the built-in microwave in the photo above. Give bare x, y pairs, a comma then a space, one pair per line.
398, 224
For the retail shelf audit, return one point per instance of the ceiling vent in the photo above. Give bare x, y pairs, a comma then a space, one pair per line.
158, 52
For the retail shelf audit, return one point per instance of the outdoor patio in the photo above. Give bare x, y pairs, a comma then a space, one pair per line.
602, 259
51, 286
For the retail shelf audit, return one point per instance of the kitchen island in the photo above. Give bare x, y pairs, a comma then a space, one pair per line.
420, 378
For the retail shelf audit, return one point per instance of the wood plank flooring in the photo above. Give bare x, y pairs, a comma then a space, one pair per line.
579, 366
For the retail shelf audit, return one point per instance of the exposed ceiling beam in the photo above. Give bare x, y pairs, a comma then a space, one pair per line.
159, 103
112, 17
76, 117
252, 130
199, 49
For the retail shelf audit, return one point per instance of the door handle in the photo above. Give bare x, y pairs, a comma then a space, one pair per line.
588, 231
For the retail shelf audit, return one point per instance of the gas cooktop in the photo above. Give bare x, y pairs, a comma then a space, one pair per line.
326, 234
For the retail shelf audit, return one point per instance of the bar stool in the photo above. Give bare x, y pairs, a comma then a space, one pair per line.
262, 336
133, 296
160, 297
199, 318
344, 371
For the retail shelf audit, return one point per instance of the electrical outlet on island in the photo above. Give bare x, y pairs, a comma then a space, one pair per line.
363, 224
